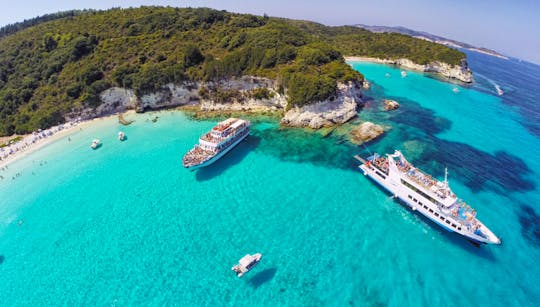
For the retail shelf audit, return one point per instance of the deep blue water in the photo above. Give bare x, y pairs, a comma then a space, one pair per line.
127, 225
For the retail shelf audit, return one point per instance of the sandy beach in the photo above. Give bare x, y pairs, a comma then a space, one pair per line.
34, 141
366, 59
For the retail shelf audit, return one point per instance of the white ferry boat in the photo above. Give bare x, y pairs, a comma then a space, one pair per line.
432, 198
246, 263
216, 143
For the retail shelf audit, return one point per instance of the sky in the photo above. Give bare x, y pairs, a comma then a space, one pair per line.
511, 27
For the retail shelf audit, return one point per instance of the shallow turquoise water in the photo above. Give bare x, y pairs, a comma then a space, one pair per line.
127, 225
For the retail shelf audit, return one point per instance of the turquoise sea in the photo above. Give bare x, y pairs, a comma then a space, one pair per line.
126, 225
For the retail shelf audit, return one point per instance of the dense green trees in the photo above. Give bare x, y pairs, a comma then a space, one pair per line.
59, 63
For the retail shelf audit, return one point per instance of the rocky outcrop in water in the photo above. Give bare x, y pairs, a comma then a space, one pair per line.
390, 105
365, 132
337, 110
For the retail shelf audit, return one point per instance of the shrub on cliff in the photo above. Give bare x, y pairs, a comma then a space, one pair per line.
56, 64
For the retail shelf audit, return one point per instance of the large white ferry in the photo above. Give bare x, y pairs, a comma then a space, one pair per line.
216, 143
432, 198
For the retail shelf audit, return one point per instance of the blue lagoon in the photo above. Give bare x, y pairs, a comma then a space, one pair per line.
127, 225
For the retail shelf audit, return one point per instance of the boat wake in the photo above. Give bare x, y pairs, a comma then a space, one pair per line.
492, 84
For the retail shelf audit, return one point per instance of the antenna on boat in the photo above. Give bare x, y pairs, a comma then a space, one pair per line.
363, 144
446, 176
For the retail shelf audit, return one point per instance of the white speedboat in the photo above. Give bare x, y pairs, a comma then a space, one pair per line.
403, 73
121, 136
216, 143
95, 144
246, 263
426, 195
500, 92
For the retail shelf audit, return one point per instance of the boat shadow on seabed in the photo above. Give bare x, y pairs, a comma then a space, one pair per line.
233, 157
262, 277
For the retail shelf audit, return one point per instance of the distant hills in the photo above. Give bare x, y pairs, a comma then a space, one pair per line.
431, 38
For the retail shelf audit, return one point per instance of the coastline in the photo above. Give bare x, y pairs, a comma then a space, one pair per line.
37, 140
457, 72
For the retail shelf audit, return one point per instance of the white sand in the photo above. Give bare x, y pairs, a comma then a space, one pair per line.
33, 142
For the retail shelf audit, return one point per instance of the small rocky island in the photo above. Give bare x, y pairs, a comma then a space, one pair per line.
390, 105
365, 132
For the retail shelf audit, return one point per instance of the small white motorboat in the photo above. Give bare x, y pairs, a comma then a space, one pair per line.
246, 263
403, 73
121, 136
500, 92
95, 144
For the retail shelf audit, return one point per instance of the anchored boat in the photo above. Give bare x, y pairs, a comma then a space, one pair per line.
246, 263
216, 143
430, 197
95, 144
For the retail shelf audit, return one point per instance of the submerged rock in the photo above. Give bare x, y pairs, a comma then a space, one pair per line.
365, 132
390, 105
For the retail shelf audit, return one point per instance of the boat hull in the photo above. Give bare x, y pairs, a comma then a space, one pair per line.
217, 156
405, 196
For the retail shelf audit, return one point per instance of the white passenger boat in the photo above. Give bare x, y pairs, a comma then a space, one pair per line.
95, 144
426, 195
216, 143
246, 263
121, 136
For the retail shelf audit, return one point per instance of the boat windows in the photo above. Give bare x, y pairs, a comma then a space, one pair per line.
453, 225
431, 210
459, 228
436, 214
410, 186
415, 200
381, 175
448, 222
410, 197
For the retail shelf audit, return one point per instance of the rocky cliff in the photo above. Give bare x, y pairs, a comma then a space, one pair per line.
326, 113
458, 72
241, 94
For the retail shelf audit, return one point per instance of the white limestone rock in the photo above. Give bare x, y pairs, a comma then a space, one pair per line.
327, 113
244, 100
460, 72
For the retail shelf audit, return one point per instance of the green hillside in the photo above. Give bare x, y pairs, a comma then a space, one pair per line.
60, 64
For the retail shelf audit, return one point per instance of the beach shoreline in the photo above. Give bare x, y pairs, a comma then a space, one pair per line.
32, 142
447, 71
366, 59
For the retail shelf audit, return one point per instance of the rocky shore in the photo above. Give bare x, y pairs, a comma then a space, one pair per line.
327, 113
246, 94
458, 72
